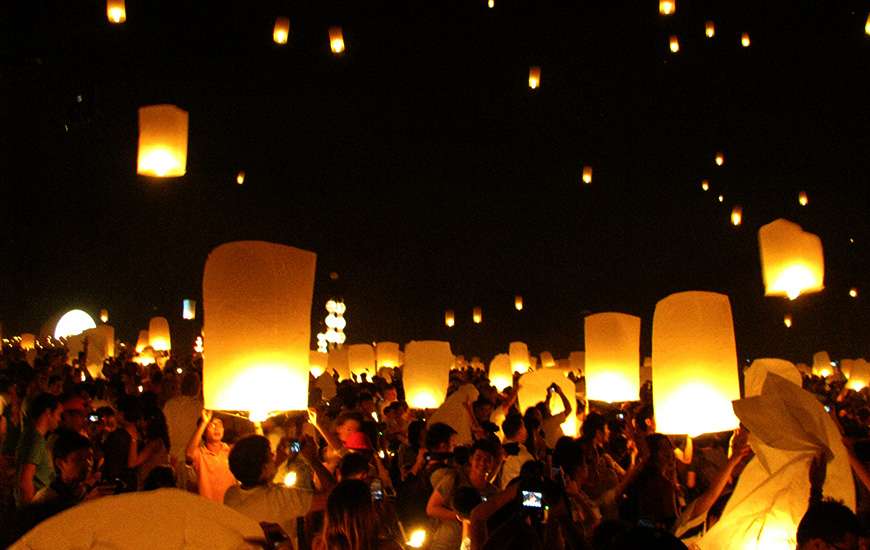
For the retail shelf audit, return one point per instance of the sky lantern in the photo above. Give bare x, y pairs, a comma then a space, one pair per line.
695, 376
867, 25
755, 374
338, 361
162, 141
736, 215
853, 292
674, 43
427, 373
158, 334
822, 364
859, 377
281, 30
188, 309
587, 174
477, 315
361, 359
28, 341
490, 4
721, 198
518, 302
705, 185
533, 390
534, 77
667, 7
141, 341
792, 261
786, 320
104, 315
846, 367
803, 199
101, 344
336, 40
387, 354
744, 40
240, 177
116, 11
257, 310
719, 158
317, 363
547, 360
500, 372
709, 29
519, 354
449, 318
612, 357
72, 323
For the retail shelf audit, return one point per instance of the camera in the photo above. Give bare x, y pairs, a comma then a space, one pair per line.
377, 489
93, 418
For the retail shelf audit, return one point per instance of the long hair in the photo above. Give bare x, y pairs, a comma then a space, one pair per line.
351, 521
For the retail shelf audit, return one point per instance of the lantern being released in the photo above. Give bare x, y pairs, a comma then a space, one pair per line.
792, 261
667, 7
519, 354
317, 363
116, 11
162, 141
500, 372
336, 40
695, 356
612, 357
534, 77
427, 373
281, 30
257, 309
361, 358
533, 389
387, 354
158, 334
822, 364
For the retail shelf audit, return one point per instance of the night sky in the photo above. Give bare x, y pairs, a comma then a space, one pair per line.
421, 168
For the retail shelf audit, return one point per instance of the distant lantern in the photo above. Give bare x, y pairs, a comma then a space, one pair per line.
705, 185
853, 292
859, 377
142, 341
317, 361
427, 373
695, 357
387, 354
449, 318
737, 215
162, 141
534, 389
667, 7
336, 40
710, 29
803, 199
500, 372
116, 11
721, 198
867, 25
361, 359
534, 77
519, 355
477, 315
674, 43
792, 261
104, 315
822, 364
28, 341
787, 320
257, 307
158, 334
240, 177
518, 302
547, 360
281, 31
744, 40
719, 159
587, 175
72, 323
612, 357
490, 4
188, 309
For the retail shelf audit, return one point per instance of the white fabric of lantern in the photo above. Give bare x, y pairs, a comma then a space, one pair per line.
577, 361
426, 373
859, 377
500, 373
755, 375
612, 357
547, 360
142, 341
455, 412
822, 364
792, 261
519, 354
158, 334
101, 345
361, 359
317, 363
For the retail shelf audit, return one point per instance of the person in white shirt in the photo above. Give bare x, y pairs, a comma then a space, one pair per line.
516, 453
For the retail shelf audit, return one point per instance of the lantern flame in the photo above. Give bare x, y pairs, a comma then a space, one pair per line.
518, 302
803, 199
290, 479
719, 159
853, 292
162, 141
705, 185
736, 216
744, 40
477, 315
787, 320
449, 318
240, 177
587, 175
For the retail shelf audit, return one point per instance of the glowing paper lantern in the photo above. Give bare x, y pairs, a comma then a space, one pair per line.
736, 215
519, 354
158, 334
361, 359
518, 302
705, 185
721, 198
104, 315
72, 323
710, 29
142, 341
338, 362
240, 177
853, 292
755, 375
426, 373
577, 361
317, 362
188, 309
744, 40
101, 345
867, 25
257, 308
547, 360
449, 318
674, 43
162, 141
803, 199
534, 77
116, 11
859, 375
281, 30
695, 356
587, 175
477, 315
28, 341
612, 357
500, 372
490, 4
822, 364
533, 390
792, 261
787, 320
336, 40
667, 7
719, 159
387, 354
846, 367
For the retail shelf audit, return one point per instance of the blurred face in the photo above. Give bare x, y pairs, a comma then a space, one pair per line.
109, 423
214, 433
54, 418
483, 413
74, 420
349, 427
75, 467
368, 407
481, 463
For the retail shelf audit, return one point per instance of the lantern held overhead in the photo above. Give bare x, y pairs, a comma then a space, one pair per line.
792, 260
519, 354
387, 354
612, 357
162, 141
500, 372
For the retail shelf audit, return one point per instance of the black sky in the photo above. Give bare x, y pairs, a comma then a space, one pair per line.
421, 168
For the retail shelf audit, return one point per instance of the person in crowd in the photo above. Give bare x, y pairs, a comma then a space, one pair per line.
121, 444
412, 455
154, 449
551, 424
536, 441
828, 525
209, 456
182, 413
347, 423
33, 463
515, 435
75, 414
603, 481
354, 466
160, 477
352, 521
11, 421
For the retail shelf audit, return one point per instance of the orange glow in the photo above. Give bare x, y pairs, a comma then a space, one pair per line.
705, 185
803, 199
719, 159
518, 302
674, 44
587, 174
787, 320
116, 11
853, 292
744, 40
534, 77
792, 260
477, 315
281, 31
710, 29
336, 40
519, 355
162, 141
449, 318
736, 216
612, 357
667, 7
427, 373
240, 177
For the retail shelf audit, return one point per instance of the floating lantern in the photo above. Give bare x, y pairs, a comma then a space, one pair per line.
449, 318
387, 354
667, 7
547, 360
587, 175
533, 390
710, 29
519, 354
719, 158
853, 292
859, 376
674, 43
336, 40
188, 309
518, 302
534, 77
427, 373
72, 323
361, 359
867, 25
281, 30
158, 334
116, 11
240, 177
500, 372
317, 362
577, 361
612, 357
162, 141
257, 307
822, 364
490, 4
142, 341
792, 261
695, 356
101, 345
104, 315
803, 200
721, 198
477, 315
744, 40
338, 362
27, 342
736, 215
787, 320
705, 185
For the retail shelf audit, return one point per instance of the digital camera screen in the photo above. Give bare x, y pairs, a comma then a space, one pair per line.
533, 499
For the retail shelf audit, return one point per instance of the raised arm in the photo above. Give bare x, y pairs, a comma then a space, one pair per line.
331, 440
196, 438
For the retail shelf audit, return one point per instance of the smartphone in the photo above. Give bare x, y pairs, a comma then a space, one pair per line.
620, 416
827, 409
93, 418
377, 489
533, 499
295, 446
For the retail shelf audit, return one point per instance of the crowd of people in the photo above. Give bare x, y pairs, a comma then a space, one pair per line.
361, 470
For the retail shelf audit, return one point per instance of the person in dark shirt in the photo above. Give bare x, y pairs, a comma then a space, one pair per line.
116, 449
